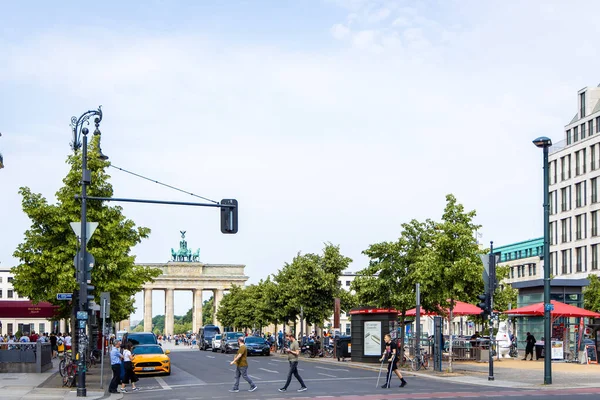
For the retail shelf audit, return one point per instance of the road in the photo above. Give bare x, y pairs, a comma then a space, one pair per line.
199, 375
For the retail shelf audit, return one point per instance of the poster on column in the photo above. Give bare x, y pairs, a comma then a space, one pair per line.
372, 338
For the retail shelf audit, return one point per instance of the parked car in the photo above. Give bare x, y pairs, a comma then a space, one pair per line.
257, 345
216, 343
229, 342
205, 336
137, 338
150, 359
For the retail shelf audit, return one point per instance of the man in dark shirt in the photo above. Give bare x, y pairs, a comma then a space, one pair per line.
530, 342
392, 354
53, 345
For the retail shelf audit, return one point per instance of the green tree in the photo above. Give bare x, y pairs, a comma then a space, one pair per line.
504, 294
207, 311
449, 268
227, 313
138, 328
591, 294
389, 280
46, 256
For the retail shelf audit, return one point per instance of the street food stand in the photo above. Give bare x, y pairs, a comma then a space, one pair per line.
558, 349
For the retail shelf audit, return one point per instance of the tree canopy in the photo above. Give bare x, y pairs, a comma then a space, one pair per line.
46, 256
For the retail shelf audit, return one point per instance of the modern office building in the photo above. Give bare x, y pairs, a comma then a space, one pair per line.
574, 202
524, 260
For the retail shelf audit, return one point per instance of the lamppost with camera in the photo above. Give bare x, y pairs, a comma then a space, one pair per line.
545, 143
81, 298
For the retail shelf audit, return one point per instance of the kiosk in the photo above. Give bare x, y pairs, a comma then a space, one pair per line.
369, 326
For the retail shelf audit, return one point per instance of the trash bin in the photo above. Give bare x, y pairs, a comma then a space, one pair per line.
343, 347
539, 351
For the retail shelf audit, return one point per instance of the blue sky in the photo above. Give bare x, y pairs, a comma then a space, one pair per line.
356, 115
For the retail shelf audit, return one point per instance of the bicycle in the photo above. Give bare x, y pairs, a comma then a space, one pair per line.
70, 374
419, 360
67, 359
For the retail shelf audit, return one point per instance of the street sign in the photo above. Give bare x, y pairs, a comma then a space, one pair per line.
549, 307
83, 315
64, 296
105, 304
89, 230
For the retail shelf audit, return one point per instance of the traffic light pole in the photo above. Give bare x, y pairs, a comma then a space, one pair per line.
491, 288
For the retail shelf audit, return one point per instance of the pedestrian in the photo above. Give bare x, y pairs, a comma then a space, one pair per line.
115, 365
530, 342
392, 355
129, 373
241, 362
293, 352
67, 341
53, 345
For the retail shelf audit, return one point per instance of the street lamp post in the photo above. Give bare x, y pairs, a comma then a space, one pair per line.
544, 143
81, 302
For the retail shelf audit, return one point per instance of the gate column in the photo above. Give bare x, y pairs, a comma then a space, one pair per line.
197, 311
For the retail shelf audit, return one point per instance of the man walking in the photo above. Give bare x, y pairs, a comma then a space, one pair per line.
530, 342
293, 352
392, 355
115, 365
241, 362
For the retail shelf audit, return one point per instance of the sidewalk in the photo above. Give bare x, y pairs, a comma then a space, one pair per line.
48, 385
513, 373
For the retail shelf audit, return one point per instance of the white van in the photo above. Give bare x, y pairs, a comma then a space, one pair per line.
120, 334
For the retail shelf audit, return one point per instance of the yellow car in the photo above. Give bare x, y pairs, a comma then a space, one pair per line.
150, 359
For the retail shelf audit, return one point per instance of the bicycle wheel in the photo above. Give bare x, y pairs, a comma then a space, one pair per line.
328, 353
61, 367
425, 362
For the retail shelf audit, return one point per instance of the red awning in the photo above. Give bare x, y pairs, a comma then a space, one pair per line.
26, 309
560, 310
460, 308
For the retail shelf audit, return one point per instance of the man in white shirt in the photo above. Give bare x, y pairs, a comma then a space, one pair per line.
68, 342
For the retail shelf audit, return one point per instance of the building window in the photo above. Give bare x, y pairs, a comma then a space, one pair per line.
597, 124
563, 230
534, 267
578, 227
552, 233
551, 202
594, 256
575, 134
10, 279
594, 216
339, 283
582, 131
563, 199
563, 171
582, 105
0, 279
569, 166
42, 328
9, 294
568, 136
552, 264
593, 158
518, 271
512, 272
594, 184
347, 283
583, 158
10, 329
565, 258
578, 195
590, 127
0, 293
555, 167
578, 259
577, 163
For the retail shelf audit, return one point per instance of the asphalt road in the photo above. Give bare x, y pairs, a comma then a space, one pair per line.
198, 375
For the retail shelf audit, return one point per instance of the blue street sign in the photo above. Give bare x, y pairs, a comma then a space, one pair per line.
549, 307
82, 315
64, 296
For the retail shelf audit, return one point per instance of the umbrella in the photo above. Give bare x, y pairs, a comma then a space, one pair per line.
460, 308
560, 310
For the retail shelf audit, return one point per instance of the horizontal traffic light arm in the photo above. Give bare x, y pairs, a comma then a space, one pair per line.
172, 203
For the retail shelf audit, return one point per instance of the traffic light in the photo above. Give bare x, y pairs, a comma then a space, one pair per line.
86, 290
229, 216
484, 304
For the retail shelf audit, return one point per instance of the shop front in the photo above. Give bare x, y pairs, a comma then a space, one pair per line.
24, 317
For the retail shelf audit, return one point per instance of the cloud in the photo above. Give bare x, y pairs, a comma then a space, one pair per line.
340, 31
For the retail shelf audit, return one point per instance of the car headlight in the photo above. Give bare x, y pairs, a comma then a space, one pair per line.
165, 361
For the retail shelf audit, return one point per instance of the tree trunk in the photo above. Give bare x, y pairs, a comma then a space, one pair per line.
450, 317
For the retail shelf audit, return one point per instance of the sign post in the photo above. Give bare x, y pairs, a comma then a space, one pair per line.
104, 312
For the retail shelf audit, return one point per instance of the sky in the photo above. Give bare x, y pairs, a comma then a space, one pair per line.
328, 120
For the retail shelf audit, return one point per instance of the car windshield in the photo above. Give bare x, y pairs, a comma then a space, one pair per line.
148, 350
254, 339
218, 337
141, 339
234, 335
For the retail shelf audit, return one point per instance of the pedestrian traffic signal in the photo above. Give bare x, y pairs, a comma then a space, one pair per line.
229, 216
484, 305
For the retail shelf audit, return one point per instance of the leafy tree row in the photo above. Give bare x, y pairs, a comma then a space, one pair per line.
308, 283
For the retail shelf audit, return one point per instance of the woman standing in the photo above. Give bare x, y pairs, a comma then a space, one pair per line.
129, 373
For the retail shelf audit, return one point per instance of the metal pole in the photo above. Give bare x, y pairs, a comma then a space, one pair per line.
103, 310
547, 320
301, 324
418, 321
491, 288
85, 177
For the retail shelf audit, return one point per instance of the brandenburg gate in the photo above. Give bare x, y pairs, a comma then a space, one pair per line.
186, 272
